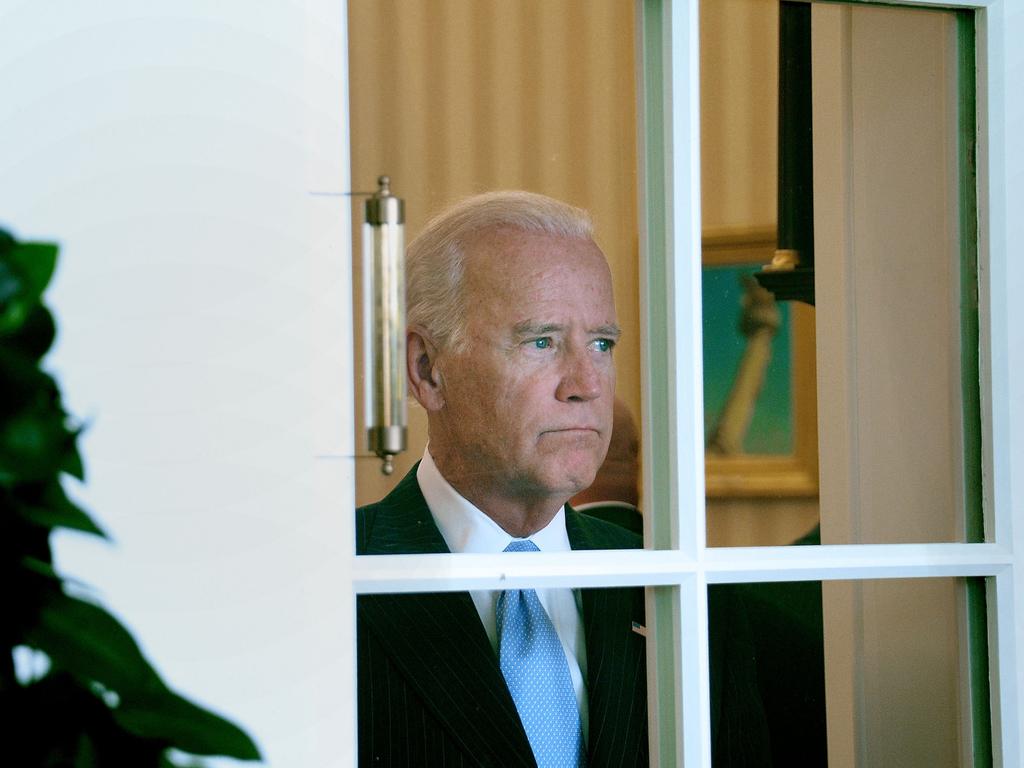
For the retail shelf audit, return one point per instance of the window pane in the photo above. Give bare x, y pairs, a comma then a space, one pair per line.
454, 98
433, 670
881, 676
767, 672
759, 357
860, 412
895, 273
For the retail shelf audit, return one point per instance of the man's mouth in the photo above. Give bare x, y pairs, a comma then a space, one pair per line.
572, 430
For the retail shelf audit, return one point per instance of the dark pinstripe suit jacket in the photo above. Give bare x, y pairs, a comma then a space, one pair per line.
431, 692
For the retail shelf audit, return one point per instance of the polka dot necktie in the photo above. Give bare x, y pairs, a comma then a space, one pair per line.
537, 674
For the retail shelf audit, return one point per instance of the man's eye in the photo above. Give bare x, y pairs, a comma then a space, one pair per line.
542, 343
603, 345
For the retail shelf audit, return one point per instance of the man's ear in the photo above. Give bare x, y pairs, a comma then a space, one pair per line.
421, 364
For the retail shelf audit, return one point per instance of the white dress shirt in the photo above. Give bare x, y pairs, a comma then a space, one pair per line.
467, 529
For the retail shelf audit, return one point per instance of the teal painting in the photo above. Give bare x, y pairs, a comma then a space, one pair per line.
771, 426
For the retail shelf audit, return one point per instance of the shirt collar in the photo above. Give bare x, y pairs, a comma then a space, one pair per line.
466, 528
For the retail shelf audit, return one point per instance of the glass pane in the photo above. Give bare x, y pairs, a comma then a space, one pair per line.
896, 274
841, 391
767, 674
759, 360
844, 673
438, 686
455, 98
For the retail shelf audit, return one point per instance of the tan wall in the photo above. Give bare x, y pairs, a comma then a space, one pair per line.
739, 72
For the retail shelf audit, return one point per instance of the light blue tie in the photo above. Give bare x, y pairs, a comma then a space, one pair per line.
537, 674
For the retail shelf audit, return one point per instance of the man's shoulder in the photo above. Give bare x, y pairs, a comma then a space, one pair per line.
621, 513
588, 532
400, 523
366, 516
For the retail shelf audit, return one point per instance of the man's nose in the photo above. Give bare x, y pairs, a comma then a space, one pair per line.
581, 378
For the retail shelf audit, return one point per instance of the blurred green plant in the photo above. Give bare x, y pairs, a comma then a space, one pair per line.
93, 699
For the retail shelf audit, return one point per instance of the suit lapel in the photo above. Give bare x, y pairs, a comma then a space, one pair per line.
437, 641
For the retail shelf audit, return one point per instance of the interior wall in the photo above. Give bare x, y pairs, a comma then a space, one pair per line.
759, 522
739, 110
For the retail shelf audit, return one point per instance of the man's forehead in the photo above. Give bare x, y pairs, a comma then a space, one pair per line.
537, 280
510, 254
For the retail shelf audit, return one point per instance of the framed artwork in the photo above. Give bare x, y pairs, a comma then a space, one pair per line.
760, 400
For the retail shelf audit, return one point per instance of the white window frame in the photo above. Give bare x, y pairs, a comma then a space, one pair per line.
682, 567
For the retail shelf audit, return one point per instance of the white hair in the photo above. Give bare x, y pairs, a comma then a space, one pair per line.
435, 260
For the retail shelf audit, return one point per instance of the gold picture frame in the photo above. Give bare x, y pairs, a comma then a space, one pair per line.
770, 475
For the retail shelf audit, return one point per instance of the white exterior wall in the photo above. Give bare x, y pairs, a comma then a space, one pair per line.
170, 147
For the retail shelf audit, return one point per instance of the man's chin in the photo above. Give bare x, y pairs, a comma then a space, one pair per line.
564, 472
572, 482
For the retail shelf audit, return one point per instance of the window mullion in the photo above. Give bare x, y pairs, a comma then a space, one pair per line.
668, 45
597, 569
1000, 163
1007, 677
693, 665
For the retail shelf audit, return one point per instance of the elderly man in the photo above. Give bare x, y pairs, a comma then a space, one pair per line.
511, 330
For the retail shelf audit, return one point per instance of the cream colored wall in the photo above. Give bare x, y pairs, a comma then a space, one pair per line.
759, 522
458, 96
739, 94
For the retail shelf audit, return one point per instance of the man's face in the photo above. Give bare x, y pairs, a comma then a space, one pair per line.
528, 399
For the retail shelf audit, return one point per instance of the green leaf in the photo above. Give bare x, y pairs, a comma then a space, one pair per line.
35, 445
36, 440
34, 336
171, 718
72, 460
36, 263
70, 517
10, 285
22, 383
41, 568
46, 505
25, 270
93, 646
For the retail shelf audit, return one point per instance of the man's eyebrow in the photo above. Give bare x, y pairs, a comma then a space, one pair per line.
607, 330
535, 328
